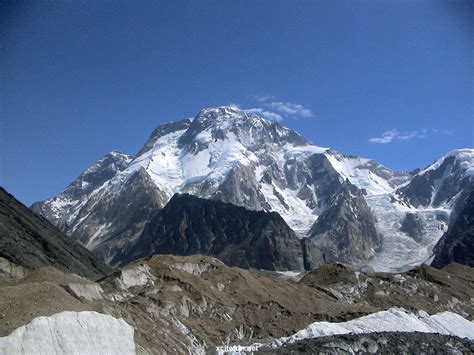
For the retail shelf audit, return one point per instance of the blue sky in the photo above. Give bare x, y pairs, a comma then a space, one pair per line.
390, 80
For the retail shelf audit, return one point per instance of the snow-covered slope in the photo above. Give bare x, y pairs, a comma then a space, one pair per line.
237, 157
241, 158
71, 333
429, 196
392, 320
439, 184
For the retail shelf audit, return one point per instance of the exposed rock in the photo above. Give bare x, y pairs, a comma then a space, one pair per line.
427, 288
249, 239
413, 226
122, 212
30, 241
377, 343
163, 130
440, 182
345, 231
91, 179
178, 305
457, 244
238, 157
191, 304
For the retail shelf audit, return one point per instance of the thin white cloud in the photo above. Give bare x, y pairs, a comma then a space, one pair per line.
272, 116
278, 110
395, 134
264, 98
292, 109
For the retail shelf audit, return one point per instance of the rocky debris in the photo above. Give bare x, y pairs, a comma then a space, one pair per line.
426, 288
457, 244
183, 304
346, 231
392, 320
377, 343
177, 304
30, 241
189, 225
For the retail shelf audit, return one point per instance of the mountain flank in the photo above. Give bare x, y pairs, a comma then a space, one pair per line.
30, 241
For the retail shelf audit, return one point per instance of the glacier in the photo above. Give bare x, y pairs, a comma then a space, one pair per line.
391, 320
71, 333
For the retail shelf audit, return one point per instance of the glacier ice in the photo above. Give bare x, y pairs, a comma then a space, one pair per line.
71, 333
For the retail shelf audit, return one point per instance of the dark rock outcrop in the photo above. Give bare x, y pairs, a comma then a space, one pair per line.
162, 130
249, 239
457, 244
29, 240
412, 226
345, 232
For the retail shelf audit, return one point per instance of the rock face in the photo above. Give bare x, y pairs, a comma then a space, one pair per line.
30, 241
345, 231
71, 333
119, 213
457, 244
440, 182
412, 226
249, 239
90, 180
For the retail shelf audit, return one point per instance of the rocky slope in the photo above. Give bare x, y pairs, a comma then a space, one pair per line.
427, 288
457, 244
176, 304
195, 303
28, 241
346, 231
377, 343
237, 157
249, 239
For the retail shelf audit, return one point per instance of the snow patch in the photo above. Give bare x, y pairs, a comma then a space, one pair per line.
392, 320
71, 333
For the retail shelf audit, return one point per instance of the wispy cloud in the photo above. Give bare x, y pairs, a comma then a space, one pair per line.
273, 116
292, 109
396, 135
277, 110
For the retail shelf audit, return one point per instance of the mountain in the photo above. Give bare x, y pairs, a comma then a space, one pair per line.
457, 244
413, 218
441, 182
30, 241
249, 239
91, 179
238, 157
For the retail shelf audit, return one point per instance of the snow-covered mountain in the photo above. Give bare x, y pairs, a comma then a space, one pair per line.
238, 157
